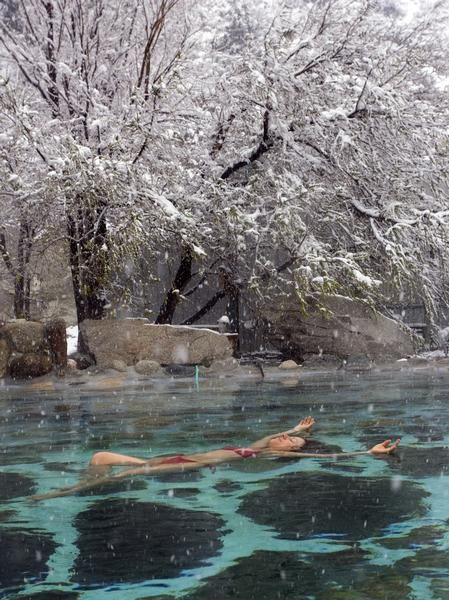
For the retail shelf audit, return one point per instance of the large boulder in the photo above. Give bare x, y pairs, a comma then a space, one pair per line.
25, 366
30, 349
134, 340
25, 336
336, 326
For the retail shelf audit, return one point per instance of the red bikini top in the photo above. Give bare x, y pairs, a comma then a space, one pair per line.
243, 452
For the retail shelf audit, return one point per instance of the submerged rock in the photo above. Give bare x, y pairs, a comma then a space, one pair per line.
130, 541
322, 504
24, 556
227, 487
428, 562
267, 575
49, 595
421, 462
6, 515
423, 431
115, 487
261, 576
13, 485
440, 588
178, 492
421, 536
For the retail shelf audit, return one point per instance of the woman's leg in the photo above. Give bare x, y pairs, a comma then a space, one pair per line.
115, 459
140, 470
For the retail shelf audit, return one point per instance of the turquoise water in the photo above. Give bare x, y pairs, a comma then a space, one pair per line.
260, 529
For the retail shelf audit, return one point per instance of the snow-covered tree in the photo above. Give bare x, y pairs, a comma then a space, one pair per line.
23, 214
95, 75
287, 147
326, 170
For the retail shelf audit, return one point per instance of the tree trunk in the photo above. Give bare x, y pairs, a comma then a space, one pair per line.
206, 308
182, 278
233, 310
231, 288
22, 280
87, 233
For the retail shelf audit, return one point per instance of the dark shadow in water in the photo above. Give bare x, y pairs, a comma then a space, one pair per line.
24, 556
130, 541
290, 576
180, 492
416, 538
421, 462
428, 562
115, 487
181, 477
13, 485
49, 595
317, 504
62, 467
227, 486
6, 515
425, 431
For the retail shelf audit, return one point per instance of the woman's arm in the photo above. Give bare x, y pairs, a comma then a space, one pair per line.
303, 426
382, 449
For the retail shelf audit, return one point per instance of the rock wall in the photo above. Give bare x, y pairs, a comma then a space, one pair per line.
339, 327
30, 349
135, 340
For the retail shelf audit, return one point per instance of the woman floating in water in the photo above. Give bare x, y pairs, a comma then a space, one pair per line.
281, 444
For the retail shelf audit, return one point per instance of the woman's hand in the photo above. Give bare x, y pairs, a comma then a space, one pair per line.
305, 424
385, 447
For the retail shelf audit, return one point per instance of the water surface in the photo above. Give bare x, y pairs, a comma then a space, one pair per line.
260, 529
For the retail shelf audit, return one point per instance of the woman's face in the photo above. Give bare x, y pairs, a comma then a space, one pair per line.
286, 443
